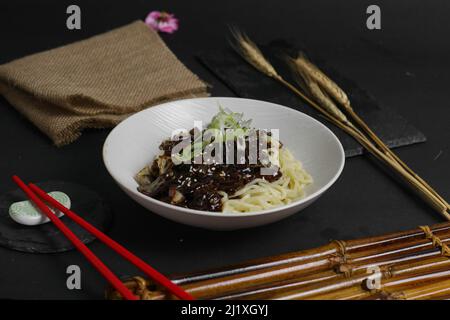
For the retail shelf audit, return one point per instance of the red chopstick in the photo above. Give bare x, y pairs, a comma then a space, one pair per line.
96, 262
138, 262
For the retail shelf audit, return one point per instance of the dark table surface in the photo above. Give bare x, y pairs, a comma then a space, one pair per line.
405, 66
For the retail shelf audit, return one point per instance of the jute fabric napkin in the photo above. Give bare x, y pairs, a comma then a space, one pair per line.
97, 82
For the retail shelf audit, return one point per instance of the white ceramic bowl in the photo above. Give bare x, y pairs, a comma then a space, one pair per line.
135, 141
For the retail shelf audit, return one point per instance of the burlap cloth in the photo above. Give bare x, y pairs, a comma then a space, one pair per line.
96, 83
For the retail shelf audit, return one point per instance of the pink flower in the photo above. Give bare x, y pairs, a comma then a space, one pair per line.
162, 21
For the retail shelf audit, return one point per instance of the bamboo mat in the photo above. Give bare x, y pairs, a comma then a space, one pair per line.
407, 265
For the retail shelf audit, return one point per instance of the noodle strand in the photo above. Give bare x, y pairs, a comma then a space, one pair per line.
261, 194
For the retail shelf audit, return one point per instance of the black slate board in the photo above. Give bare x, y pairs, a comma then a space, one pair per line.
247, 82
46, 238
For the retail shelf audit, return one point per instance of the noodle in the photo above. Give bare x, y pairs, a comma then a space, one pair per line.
260, 194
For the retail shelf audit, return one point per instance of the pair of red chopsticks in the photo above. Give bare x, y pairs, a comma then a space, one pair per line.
35, 194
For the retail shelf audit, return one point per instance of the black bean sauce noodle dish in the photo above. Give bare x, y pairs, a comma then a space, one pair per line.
226, 167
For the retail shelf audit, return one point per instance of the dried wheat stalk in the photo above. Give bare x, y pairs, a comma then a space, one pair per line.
251, 53
303, 67
309, 85
318, 98
306, 67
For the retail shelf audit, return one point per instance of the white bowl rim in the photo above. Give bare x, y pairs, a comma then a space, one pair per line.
227, 214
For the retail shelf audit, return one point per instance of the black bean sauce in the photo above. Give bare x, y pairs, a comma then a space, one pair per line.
200, 184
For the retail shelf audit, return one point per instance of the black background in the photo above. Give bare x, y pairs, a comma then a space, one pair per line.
404, 65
